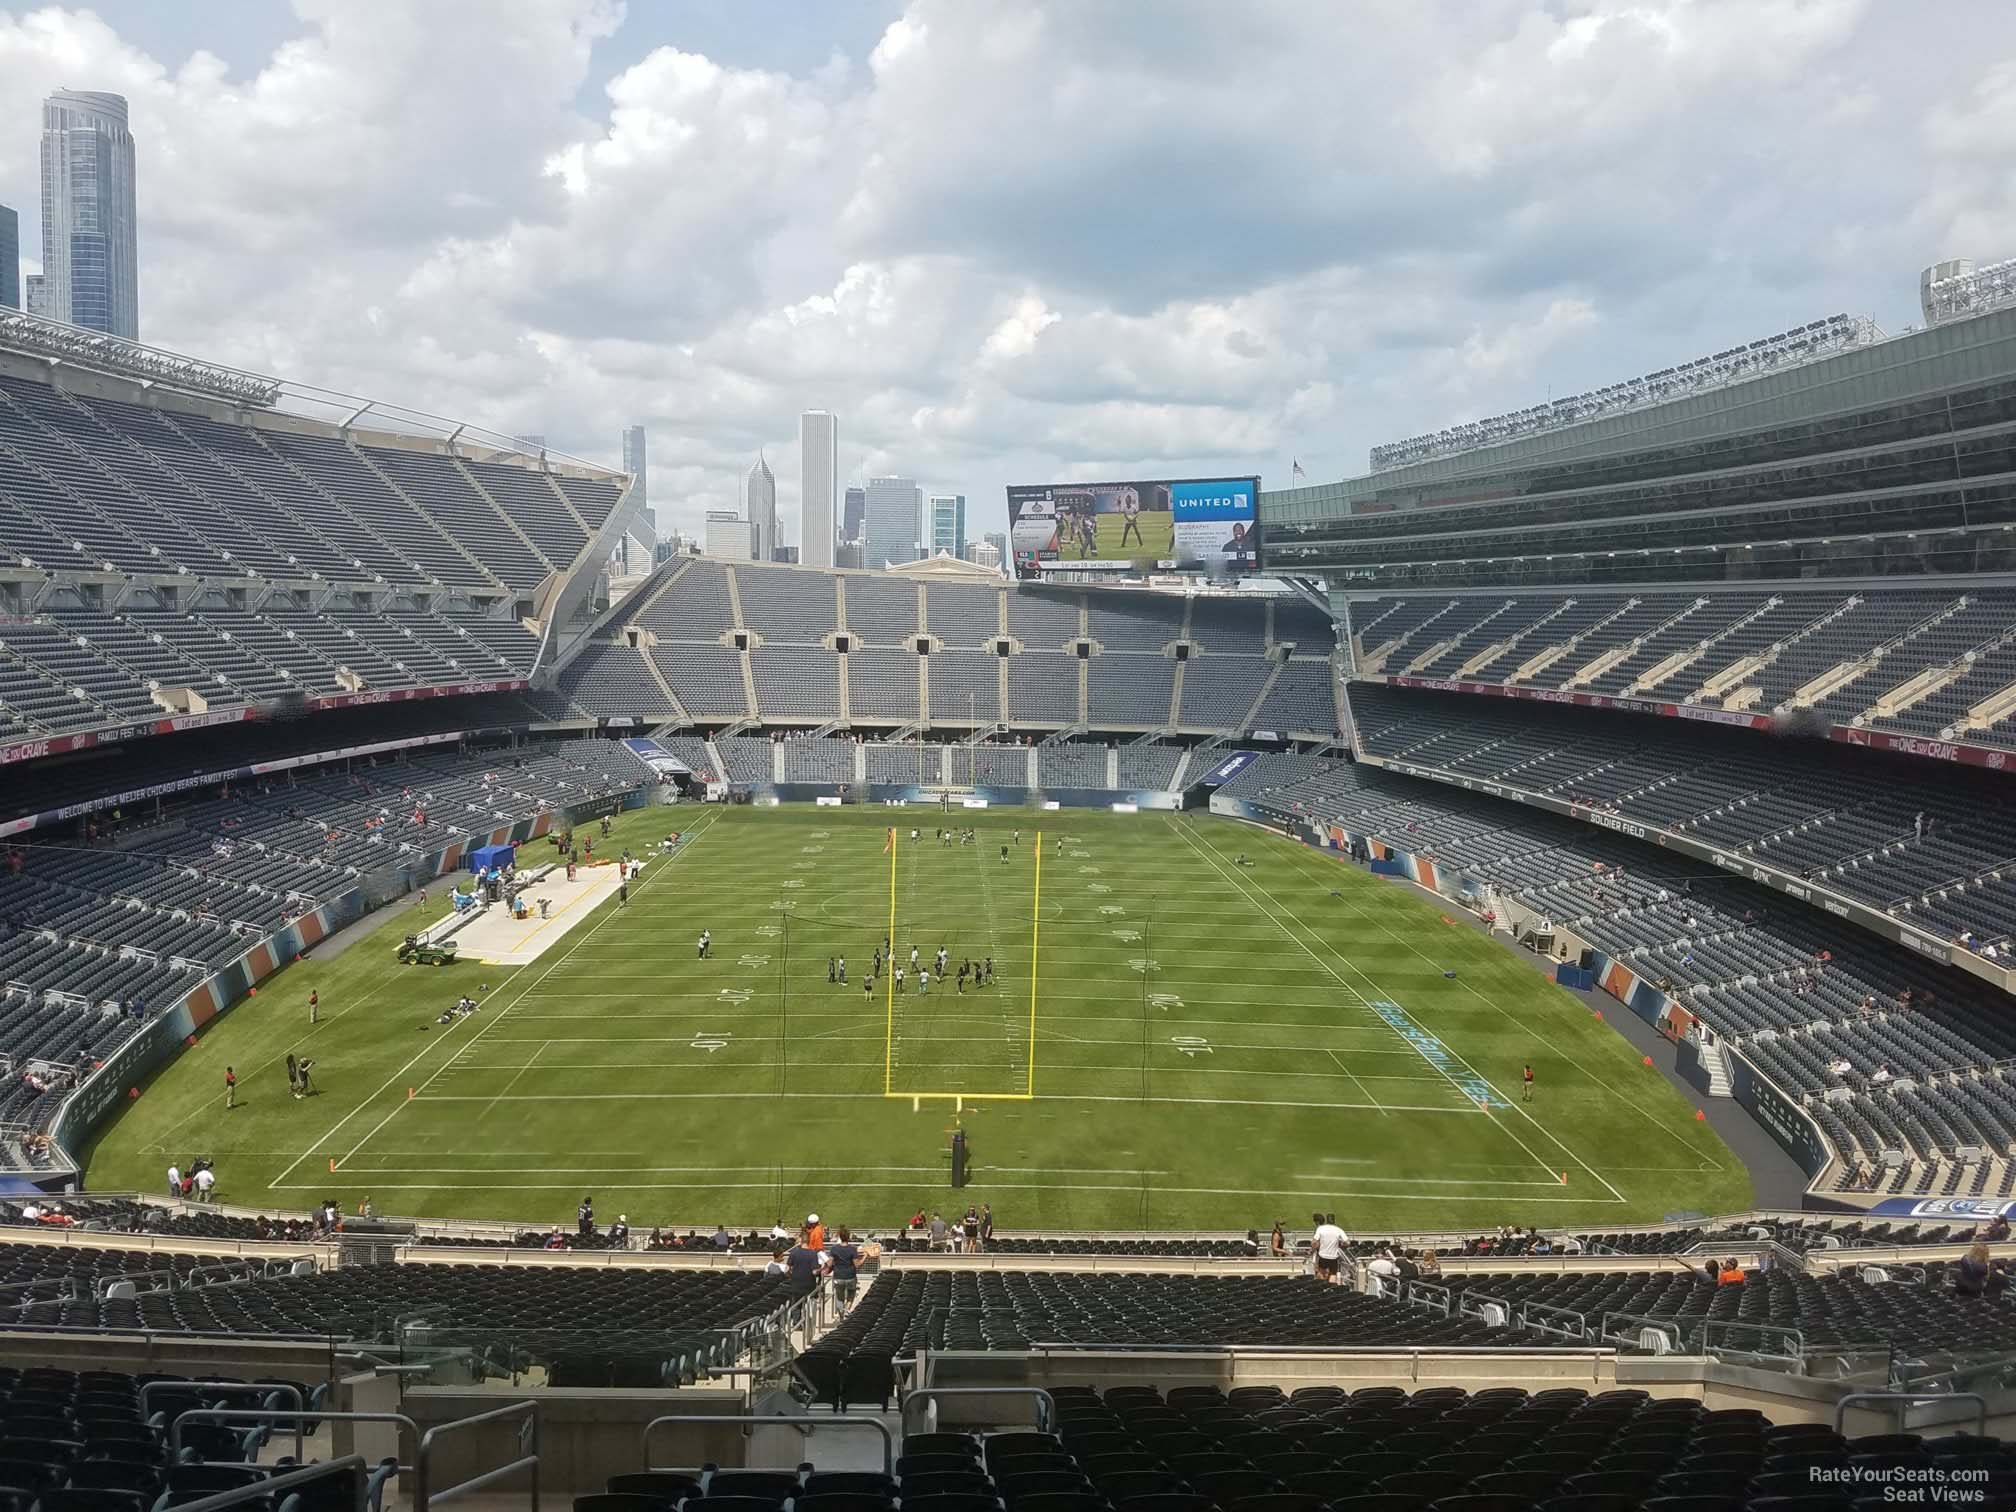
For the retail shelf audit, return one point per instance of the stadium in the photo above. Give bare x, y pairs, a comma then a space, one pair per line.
1581, 873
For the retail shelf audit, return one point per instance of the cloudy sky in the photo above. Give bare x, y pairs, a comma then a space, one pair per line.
1010, 243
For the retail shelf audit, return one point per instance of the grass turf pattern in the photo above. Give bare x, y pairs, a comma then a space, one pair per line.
1172, 1039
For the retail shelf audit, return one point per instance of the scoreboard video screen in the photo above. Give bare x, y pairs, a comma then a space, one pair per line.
1188, 524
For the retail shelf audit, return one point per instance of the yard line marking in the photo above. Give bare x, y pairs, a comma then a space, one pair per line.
1211, 854
1525, 1026
544, 1046
1309, 1194
1330, 1104
1347, 1071
393, 1080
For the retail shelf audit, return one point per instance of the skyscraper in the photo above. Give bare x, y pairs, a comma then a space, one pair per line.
761, 497
893, 526
947, 514
818, 483
729, 536
10, 259
35, 294
856, 511
635, 463
90, 240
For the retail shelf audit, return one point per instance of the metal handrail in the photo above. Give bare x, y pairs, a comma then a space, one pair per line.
1046, 1405
754, 1419
423, 1494
352, 1466
1545, 1318
1706, 1335
1904, 1401
148, 1389
298, 1417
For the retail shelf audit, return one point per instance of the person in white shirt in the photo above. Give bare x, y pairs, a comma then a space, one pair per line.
174, 1181
1385, 1267
1882, 1075
1327, 1245
205, 1179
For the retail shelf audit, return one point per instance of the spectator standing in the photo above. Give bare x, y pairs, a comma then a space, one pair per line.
1277, 1241
940, 1234
230, 1088
845, 1258
801, 1271
584, 1217
174, 1179
986, 1225
206, 1178
1327, 1247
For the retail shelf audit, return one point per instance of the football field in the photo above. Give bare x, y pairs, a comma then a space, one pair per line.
1190, 1024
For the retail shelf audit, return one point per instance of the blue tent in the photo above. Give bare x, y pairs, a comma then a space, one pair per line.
484, 857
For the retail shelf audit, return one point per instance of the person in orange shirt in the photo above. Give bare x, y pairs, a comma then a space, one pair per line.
815, 1232
1732, 1274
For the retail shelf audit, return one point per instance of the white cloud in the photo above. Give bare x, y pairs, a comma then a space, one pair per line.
1018, 242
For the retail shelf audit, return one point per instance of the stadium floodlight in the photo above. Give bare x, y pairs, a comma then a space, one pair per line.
74, 346
1793, 348
1958, 290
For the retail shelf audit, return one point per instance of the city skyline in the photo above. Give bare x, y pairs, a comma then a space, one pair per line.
951, 255
90, 273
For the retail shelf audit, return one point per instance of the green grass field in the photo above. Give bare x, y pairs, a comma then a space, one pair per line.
1156, 538
1172, 1040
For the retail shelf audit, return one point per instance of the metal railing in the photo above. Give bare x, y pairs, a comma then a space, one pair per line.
351, 1469
757, 1419
424, 1495
150, 1389
1046, 1405
1556, 1322
1904, 1401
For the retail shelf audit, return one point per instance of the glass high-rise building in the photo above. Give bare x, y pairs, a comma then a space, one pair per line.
761, 492
947, 515
893, 530
855, 512
10, 259
636, 463
90, 235
818, 485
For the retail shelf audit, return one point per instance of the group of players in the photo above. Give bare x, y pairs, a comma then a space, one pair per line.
978, 973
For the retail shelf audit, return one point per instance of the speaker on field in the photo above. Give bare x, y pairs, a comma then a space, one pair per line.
958, 1158
1588, 961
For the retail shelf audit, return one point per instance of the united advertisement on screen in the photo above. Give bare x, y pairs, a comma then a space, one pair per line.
1200, 524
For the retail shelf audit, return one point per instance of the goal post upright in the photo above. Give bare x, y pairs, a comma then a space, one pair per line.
889, 980
1035, 940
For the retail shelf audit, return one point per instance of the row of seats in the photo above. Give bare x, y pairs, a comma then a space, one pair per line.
1376, 1449
95, 484
1258, 662
1931, 855
109, 1441
72, 669
1843, 657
